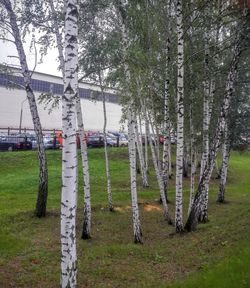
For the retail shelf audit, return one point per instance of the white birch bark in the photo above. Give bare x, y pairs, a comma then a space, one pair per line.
141, 156
69, 152
230, 83
158, 172
193, 162
170, 170
180, 119
146, 145
191, 124
166, 120
209, 92
156, 134
224, 167
131, 133
86, 232
140, 134
43, 172
166, 131
216, 62
203, 217
110, 201
153, 137
132, 162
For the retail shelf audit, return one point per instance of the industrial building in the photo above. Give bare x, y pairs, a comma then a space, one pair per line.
14, 107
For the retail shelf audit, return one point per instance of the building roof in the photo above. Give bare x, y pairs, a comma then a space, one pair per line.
46, 83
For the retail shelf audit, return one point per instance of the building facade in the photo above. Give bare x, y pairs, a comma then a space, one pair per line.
14, 107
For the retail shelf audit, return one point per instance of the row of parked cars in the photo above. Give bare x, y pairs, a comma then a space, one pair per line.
54, 141
26, 142
113, 140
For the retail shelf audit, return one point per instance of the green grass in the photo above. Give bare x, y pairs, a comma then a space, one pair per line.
216, 255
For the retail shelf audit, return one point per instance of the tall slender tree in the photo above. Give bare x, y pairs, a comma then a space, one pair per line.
83, 142
69, 153
110, 198
230, 84
224, 167
41, 202
180, 118
123, 20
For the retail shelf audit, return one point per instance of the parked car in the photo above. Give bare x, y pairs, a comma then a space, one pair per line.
95, 141
12, 143
51, 143
33, 140
98, 141
111, 142
30, 137
123, 141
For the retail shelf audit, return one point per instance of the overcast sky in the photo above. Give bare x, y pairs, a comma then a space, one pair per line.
49, 65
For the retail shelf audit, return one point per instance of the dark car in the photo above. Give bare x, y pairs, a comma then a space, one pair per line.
95, 141
98, 141
12, 143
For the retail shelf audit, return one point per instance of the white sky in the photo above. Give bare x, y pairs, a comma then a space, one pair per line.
49, 65
93, 115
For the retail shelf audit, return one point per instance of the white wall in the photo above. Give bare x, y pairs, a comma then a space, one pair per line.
10, 107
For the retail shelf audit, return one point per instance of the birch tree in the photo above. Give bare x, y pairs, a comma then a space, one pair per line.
141, 156
41, 202
180, 118
206, 117
224, 166
230, 84
83, 142
166, 125
121, 12
157, 168
110, 200
69, 152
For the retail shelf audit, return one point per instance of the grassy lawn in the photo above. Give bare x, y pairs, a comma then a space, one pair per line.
216, 255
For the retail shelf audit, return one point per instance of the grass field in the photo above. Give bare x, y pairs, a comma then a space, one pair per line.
216, 255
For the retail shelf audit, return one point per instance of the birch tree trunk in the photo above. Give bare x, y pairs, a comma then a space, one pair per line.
193, 162
224, 167
86, 230
203, 217
230, 83
69, 152
121, 11
110, 201
209, 92
157, 143
157, 167
132, 162
166, 120
83, 142
146, 144
170, 171
41, 202
180, 119
141, 156
166, 135
140, 134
